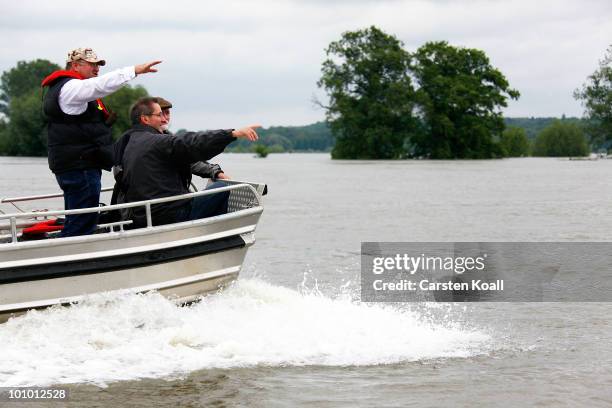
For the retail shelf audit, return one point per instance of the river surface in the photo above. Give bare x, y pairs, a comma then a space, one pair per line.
292, 331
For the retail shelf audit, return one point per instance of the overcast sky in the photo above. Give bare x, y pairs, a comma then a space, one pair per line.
232, 63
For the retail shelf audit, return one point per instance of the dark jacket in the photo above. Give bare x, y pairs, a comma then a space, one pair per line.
201, 168
156, 165
75, 142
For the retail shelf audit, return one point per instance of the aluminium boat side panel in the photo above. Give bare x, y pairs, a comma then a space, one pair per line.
179, 279
134, 259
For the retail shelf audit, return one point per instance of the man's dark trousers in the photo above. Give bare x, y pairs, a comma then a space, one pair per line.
81, 190
206, 205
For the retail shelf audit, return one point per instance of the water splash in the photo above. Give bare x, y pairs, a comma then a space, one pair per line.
113, 337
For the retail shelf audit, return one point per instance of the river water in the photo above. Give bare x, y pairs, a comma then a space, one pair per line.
292, 331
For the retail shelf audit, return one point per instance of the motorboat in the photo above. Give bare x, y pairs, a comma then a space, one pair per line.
181, 261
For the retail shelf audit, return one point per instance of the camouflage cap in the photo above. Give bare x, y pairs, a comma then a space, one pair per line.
85, 54
163, 103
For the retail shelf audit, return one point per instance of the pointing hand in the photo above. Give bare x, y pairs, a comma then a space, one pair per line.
144, 68
248, 133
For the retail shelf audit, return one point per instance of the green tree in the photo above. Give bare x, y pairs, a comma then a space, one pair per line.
514, 142
26, 129
596, 97
4, 141
261, 150
460, 97
20, 103
22, 79
371, 97
120, 103
561, 139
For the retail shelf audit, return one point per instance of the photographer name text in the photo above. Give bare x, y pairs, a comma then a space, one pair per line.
426, 285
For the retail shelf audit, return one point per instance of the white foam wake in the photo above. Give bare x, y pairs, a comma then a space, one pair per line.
119, 337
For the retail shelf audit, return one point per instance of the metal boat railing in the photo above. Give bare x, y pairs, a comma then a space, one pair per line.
41, 196
249, 197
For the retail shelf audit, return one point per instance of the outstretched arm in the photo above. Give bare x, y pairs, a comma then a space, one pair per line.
75, 94
198, 146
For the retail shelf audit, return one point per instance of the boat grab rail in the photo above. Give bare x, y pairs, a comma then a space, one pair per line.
41, 197
262, 189
146, 203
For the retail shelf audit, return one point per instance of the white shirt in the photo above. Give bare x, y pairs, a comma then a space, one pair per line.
76, 93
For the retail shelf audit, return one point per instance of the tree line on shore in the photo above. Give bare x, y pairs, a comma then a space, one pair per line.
557, 137
440, 102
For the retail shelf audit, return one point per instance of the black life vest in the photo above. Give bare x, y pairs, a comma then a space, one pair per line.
75, 142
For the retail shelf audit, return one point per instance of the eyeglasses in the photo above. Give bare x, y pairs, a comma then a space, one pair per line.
91, 64
160, 114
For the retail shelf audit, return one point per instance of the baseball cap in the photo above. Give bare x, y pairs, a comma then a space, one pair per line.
85, 54
163, 103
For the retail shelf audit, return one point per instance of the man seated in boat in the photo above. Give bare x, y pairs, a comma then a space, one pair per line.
155, 165
203, 169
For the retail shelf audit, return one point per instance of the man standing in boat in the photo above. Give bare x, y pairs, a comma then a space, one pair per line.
154, 165
79, 131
